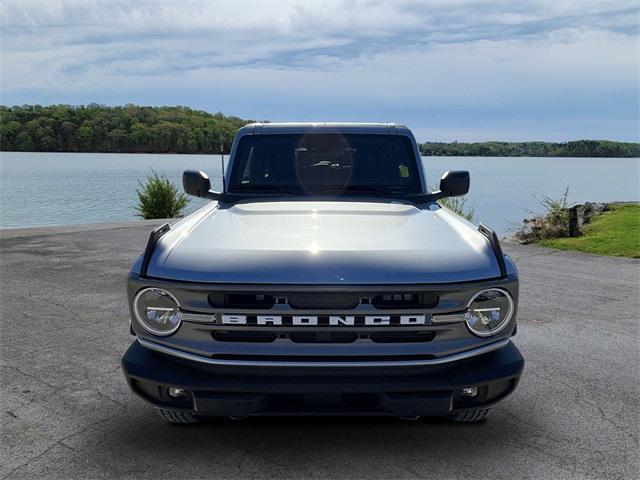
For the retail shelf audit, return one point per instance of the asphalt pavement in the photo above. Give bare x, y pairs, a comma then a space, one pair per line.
66, 411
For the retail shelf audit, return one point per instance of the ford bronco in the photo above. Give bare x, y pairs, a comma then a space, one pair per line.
324, 279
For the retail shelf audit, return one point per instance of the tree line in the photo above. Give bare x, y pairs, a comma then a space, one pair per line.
127, 129
578, 148
136, 129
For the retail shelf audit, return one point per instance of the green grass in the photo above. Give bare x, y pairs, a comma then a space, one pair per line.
616, 232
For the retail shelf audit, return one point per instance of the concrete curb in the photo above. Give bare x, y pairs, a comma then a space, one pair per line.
87, 227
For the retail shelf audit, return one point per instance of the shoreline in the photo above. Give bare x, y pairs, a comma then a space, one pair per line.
226, 154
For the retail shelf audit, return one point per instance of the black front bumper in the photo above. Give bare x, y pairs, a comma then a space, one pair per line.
403, 391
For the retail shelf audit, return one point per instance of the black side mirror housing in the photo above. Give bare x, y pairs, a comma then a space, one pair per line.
454, 183
197, 183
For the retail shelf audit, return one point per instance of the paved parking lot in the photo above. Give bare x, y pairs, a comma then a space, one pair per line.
67, 412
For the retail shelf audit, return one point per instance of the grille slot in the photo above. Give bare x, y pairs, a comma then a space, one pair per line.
323, 301
251, 337
323, 337
404, 300
241, 300
402, 337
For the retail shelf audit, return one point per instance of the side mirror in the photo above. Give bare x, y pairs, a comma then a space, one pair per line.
197, 183
454, 184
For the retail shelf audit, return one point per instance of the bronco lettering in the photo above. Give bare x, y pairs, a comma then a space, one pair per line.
323, 320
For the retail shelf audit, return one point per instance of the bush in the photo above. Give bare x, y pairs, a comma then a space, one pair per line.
458, 206
159, 198
553, 223
557, 216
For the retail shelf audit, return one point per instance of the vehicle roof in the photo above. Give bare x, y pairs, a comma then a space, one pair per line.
323, 127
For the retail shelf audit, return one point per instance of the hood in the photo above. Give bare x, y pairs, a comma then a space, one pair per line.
323, 243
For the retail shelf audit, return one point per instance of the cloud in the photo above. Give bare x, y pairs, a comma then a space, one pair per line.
449, 66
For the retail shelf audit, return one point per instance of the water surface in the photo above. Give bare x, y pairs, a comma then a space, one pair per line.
38, 189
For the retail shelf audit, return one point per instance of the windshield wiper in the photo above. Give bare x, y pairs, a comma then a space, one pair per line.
260, 188
369, 189
326, 190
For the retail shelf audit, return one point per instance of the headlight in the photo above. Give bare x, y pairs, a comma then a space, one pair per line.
489, 312
157, 311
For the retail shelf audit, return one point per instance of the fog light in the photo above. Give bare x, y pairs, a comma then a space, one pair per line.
175, 392
469, 391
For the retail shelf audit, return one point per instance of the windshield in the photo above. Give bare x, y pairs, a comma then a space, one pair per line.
325, 164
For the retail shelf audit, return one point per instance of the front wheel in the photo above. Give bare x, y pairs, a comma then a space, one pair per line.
471, 416
177, 416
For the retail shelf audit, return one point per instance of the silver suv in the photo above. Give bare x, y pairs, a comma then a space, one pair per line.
324, 279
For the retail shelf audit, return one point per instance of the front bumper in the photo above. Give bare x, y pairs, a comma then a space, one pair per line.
408, 391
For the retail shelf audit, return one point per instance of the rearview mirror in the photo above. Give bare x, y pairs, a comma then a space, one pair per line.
197, 183
454, 184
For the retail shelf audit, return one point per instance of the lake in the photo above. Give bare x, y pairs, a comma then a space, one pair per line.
38, 189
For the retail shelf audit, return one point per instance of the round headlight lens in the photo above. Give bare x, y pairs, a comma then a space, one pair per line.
489, 312
157, 310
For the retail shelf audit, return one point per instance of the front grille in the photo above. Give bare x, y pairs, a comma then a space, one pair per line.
339, 318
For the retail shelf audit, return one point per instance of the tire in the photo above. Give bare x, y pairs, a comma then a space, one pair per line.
177, 416
471, 416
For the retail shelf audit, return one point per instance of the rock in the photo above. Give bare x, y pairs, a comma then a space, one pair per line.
588, 210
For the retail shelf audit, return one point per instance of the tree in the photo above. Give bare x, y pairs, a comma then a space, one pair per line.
579, 148
98, 128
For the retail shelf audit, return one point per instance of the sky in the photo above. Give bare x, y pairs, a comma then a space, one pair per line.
461, 70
